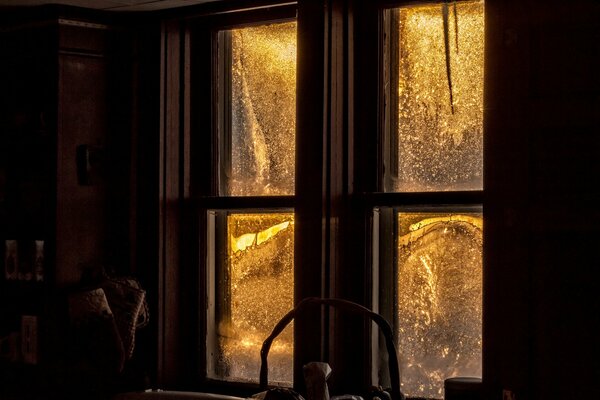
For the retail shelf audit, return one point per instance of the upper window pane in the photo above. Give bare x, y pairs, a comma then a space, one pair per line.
436, 73
263, 110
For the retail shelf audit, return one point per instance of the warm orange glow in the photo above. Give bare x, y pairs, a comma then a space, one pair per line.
261, 282
440, 148
251, 239
440, 90
420, 228
439, 299
263, 110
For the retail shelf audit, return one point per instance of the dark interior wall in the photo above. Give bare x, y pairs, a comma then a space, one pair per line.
144, 183
507, 291
564, 217
65, 83
542, 156
94, 110
81, 213
27, 132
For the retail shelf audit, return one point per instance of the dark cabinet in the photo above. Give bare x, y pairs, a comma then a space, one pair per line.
65, 106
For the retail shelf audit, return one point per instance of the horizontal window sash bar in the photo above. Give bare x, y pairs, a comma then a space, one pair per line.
365, 199
386, 4
241, 202
421, 198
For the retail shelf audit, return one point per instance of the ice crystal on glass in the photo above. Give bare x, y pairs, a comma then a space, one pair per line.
439, 300
261, 281
263, 110
440, 98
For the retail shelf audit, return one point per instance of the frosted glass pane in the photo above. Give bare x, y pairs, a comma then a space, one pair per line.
263, 110
440, 104
439, 300
261, 281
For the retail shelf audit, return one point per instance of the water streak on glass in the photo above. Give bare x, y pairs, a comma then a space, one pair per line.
263, 110
439, 300
261, 269
440, 105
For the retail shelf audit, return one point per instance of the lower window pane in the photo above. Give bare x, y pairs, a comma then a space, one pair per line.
439, 299
254, 290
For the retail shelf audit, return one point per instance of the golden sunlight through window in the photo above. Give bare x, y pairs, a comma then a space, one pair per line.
438, 144
259, 291
263, 110
439, 299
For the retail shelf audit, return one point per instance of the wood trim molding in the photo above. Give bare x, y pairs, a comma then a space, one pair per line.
169, 347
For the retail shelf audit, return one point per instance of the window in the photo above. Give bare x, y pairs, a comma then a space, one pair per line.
420, 176
262, 68
250, 249
438, 284
431, 228
254, 289
436, 68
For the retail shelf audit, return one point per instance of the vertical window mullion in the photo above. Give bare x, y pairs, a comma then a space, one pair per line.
387, 267
223, 44
395, 51
391, 57
222, 282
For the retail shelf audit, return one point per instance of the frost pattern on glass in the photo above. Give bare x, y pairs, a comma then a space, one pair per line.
439, 300
263, 110
440, 114
261, 270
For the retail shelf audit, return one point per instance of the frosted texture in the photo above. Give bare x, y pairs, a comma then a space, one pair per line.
263, 110
439, 300
440, 142
261, 266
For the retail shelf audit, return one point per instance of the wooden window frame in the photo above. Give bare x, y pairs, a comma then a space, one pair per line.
337, 186
209, 142
376, 27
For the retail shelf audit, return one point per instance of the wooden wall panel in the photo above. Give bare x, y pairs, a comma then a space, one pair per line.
81, 215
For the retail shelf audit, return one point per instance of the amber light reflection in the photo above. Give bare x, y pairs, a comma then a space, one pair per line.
440, 97
263, 75
439, 299
261, 270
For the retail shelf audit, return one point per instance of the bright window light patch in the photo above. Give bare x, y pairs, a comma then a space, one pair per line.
439, 299
263, 110
258, 291
438, 131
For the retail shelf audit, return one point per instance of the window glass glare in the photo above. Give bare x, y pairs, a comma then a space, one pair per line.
437, 142
439, 299
263, 110
258, 291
